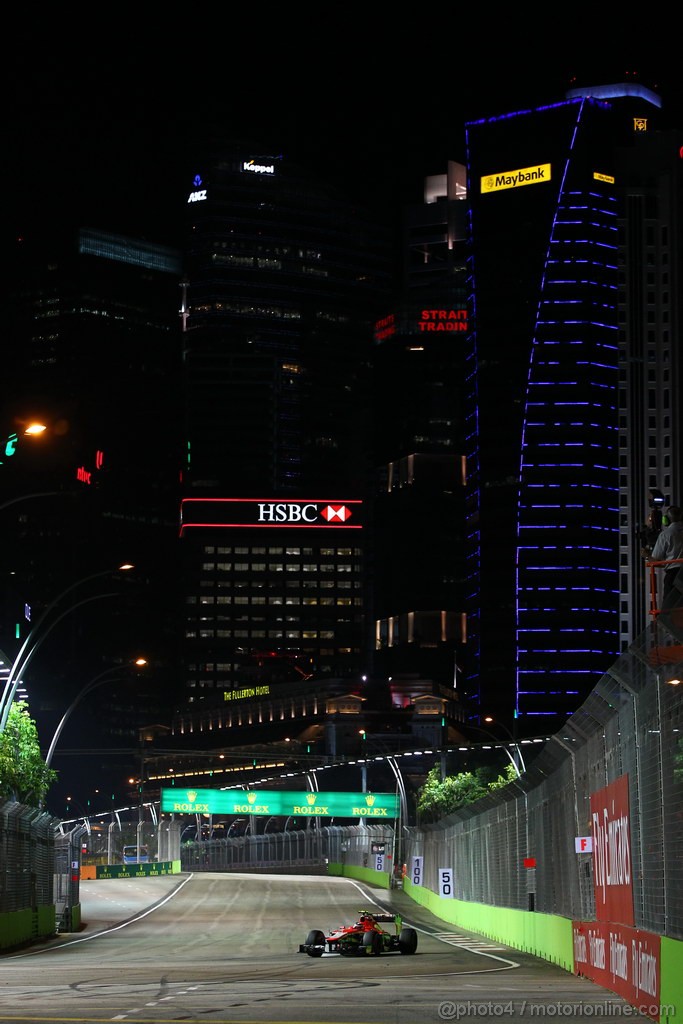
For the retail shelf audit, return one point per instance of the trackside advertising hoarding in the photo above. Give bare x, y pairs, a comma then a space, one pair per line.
375, 806
624, 960
612, 875
610, 951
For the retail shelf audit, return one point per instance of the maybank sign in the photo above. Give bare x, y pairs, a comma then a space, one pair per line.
515, 179
280, 802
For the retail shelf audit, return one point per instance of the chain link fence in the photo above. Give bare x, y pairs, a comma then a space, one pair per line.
27, 879
513, 848
631, 724
308, 850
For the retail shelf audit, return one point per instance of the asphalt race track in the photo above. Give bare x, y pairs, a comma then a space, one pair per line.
224, 948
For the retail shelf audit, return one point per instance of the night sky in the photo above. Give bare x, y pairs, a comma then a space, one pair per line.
101, 120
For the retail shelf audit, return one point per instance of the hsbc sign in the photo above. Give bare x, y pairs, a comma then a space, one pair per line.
260, 513
292, 512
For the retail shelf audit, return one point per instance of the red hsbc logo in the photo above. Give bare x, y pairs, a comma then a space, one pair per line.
340, 513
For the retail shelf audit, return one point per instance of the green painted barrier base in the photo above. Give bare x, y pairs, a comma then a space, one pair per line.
378, 879
546, 936
543, 935
23, 927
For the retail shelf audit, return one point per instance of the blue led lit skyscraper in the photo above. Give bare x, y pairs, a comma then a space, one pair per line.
546, 191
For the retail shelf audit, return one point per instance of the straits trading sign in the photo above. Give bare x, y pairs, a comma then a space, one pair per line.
269, 512
282, 803
421, 321
515, 179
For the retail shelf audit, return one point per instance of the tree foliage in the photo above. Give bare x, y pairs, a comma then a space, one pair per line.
439, 797
24, 776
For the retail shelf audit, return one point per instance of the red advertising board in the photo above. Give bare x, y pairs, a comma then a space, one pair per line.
612, 874
624, 960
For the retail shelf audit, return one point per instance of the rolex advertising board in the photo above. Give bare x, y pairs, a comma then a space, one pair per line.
375, 806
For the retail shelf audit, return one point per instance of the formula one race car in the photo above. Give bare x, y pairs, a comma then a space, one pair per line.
365, 938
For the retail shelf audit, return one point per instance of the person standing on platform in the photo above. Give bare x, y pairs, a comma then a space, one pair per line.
669, 544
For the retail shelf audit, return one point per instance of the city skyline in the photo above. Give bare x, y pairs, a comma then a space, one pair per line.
122, 167
95, 133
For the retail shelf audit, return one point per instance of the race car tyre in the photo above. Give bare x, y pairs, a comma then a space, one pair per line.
316, 943
372, 943
407, 940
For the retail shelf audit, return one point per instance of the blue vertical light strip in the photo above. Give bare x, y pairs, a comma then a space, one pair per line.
567, 528
473, 481
532, 354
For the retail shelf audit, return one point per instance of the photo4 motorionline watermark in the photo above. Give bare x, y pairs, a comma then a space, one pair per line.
450, 1010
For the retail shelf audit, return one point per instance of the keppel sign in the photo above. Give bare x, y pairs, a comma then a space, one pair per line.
283, 803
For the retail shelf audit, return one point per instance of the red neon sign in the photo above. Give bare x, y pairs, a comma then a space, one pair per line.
443, 320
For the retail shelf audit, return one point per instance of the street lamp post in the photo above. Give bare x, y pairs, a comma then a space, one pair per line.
517, 760
34, 640
103, 677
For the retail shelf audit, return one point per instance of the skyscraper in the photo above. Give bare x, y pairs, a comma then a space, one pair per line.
284, 278
418, 360
549, 243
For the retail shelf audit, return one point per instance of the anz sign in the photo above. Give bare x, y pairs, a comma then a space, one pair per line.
199, 193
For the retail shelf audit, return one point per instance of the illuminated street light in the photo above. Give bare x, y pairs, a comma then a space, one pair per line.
8, 445
103, 677
31, 644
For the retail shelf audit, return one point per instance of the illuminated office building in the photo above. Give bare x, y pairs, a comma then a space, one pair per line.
572, 215
284, 278
418, 359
